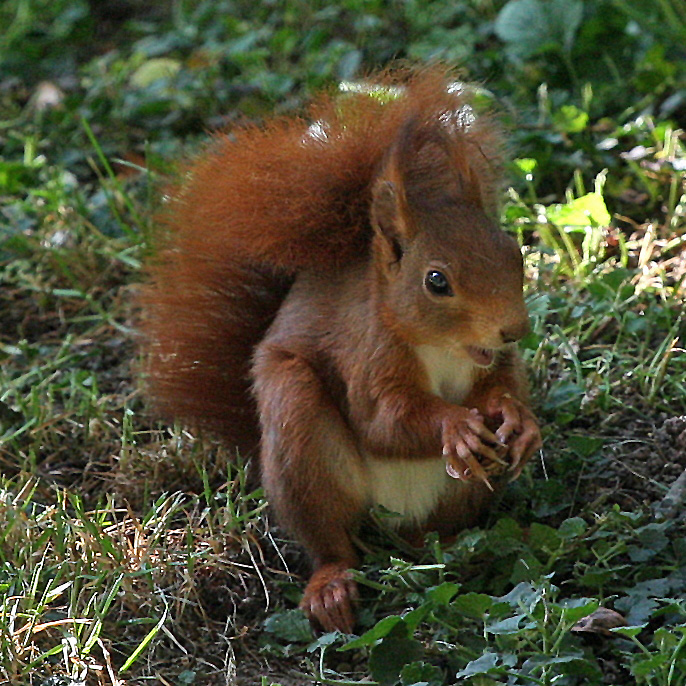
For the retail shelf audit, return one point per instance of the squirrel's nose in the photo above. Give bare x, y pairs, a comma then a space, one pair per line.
513, 333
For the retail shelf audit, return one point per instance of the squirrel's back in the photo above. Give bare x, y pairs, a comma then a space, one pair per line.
261, 204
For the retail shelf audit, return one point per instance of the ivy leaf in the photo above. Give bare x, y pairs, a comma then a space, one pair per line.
584, 446
639, 603
629, 631
638, 609
521, 593
563, 392
291, 626
443, 594
412, 619
651, 666
505, 626
652, 541
543, 537
388, 658
505, 537
529, 27
379, 630
421, 673
481, 665
572, 528
486, 664
324, 641
473, 604
563, 662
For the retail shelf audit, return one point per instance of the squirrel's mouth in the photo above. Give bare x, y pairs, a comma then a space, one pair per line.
481, 356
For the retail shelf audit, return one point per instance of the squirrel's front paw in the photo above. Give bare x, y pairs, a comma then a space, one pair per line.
518, 429
466, 439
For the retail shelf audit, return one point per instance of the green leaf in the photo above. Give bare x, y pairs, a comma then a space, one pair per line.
323, 641
529, 27
482, 665
584, 446
640, 604
596, 578
145, 642
443, 594
379, 630
588, 210
561, 393
523, 26
526, 568
521, 593
505, 626
291, 626
543, 537
505, 537
421, 673
577, 608
572, 528
537, 661
472, 604
652, 541
570, 119
526, 165
651, 666
153, 70
618, 277
388, 658
629, 631
412, 619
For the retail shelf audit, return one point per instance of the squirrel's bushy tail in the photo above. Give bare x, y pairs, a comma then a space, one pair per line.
262, 203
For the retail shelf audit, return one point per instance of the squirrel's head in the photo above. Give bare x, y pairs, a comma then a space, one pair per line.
446, 274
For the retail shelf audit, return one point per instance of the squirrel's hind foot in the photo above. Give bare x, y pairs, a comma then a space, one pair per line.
329, 598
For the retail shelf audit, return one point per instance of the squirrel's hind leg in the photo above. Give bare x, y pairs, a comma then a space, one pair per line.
312, 474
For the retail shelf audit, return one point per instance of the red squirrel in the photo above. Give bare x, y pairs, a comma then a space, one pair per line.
334, 291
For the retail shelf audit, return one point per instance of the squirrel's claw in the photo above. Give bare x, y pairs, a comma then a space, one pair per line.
462, 463
519, 430
475, 422
465, 439
465, 473
509, 409
525, 446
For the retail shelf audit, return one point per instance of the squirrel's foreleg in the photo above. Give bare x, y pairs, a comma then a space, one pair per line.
312, 475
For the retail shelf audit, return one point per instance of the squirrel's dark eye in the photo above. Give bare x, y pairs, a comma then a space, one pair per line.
437, 283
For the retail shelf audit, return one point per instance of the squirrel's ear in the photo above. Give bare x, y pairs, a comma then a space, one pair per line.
388, 220
433, 168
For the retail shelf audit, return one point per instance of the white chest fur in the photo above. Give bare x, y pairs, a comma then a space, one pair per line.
414, 487
451, 376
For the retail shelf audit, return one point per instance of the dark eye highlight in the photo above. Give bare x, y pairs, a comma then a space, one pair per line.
437, 283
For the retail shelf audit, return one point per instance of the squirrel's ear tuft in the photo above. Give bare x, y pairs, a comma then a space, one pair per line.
434, 167
387, 218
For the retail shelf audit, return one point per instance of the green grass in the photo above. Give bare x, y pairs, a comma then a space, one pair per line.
135, 552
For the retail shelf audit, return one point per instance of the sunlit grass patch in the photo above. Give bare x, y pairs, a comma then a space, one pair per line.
88, 590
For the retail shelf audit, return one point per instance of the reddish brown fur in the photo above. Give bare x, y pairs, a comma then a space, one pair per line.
300, 263
255, 208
